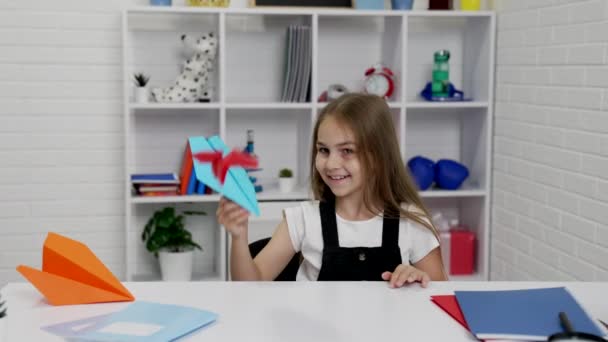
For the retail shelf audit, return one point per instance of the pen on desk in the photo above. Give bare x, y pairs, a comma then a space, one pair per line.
603, 323
563, 318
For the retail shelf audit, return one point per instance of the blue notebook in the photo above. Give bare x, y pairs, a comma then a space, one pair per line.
138, 322
191, 184
169, 178
522, 314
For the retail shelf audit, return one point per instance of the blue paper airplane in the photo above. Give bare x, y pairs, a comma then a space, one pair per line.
237, 186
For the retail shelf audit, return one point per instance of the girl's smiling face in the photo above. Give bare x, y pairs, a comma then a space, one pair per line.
337, 161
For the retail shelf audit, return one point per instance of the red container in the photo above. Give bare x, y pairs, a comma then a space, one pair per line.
462, 252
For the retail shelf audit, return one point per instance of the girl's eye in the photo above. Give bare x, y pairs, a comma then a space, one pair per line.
322, 150
348, 151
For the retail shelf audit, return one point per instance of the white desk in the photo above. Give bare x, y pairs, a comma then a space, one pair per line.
292, 311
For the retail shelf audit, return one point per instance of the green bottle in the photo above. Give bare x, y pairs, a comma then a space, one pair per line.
441, 74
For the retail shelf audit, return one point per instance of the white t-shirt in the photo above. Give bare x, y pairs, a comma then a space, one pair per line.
304, 225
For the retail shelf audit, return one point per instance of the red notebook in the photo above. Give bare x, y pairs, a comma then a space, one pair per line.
449, 304
186, 171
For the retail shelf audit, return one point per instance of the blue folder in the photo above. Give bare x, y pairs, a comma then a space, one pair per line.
140, 321
522, 314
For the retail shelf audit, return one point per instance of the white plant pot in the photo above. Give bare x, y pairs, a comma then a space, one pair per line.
176, 266
142, 94
286, 185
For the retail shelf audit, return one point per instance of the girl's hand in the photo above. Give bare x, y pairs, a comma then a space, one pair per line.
405, 274
233, 217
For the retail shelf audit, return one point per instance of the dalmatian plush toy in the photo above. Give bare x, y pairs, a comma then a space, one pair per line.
194, 82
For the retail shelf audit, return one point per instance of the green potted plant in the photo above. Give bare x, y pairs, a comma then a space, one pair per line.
141, 87
286, 180
166, 236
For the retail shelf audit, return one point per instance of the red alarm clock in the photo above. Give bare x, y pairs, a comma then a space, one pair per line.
379, 81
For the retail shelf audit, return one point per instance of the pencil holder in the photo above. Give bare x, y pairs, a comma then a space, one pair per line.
470, 5
440, 4
369, 4
160, 2
402, 4
209, 3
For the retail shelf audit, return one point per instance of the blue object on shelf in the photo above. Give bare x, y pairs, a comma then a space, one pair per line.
256, 187
160, 2
402, 4
369, 4
450, 174
168, 178
454, 94
423, 171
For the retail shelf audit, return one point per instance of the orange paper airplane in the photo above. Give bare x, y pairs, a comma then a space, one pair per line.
72, 274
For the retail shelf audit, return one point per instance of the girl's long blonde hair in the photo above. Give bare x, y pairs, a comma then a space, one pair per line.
388, 183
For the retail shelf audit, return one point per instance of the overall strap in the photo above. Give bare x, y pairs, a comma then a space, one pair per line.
329, 226
390, 230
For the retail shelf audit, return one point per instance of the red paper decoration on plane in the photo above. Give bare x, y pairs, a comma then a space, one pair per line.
220, 165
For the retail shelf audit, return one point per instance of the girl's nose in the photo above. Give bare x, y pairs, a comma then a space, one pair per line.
333, 161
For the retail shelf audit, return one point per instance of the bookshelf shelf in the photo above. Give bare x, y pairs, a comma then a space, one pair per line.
248, 82
450, 14
446, 105
269, 105
304, 11
453, 193
174, 199
164, 106
391, 104
270, 194
273, 194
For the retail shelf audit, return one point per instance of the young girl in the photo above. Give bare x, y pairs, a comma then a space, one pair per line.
367, 221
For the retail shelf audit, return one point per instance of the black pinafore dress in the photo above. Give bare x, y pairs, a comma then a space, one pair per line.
356, 263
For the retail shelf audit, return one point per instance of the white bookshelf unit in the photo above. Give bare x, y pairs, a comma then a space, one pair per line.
248, 83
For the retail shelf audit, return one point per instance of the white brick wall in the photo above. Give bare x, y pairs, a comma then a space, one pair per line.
61, 128
61, 134
550, 208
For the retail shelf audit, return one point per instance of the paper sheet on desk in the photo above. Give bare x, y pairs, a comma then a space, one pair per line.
140, 321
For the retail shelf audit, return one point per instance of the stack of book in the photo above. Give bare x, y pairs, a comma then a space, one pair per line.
298, 61
170, 184
155, 184
189, 184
